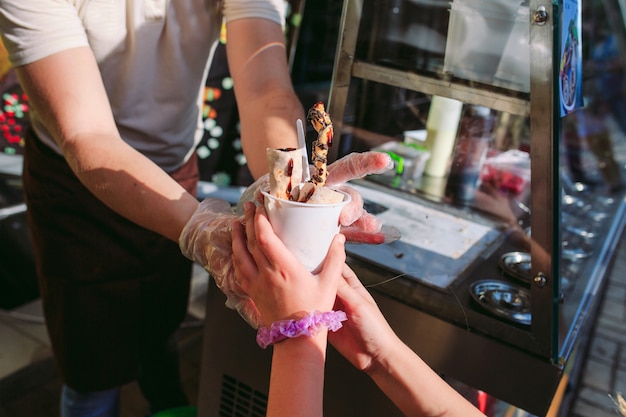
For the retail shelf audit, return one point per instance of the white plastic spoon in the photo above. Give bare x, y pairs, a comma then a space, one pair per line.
306, 176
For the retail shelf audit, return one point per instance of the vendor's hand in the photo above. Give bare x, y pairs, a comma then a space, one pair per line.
206, 239
357, 224
280, 286
366, 336
253, 193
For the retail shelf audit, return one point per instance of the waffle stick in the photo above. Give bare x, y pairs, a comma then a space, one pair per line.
322, 124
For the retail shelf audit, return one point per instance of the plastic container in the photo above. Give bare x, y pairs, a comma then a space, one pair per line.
501, 7
478, 33
306, 229
514, 69
441, 127
475, 134
415, 136
409, 159
508, 171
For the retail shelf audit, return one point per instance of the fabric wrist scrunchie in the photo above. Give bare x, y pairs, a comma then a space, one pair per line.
309, 325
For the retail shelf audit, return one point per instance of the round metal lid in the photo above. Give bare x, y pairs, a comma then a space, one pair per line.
517, 264
505, 300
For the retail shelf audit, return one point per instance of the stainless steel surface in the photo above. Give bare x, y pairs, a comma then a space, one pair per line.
505, 300
540, 16
540, 280
544, 162
517, 264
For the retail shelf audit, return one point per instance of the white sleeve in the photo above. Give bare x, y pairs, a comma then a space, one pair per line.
34, 29
267, 9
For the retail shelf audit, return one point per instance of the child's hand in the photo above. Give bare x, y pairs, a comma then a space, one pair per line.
280, 286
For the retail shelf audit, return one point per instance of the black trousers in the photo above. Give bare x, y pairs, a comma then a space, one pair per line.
113, 292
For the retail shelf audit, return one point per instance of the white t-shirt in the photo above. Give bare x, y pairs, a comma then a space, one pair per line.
153, 56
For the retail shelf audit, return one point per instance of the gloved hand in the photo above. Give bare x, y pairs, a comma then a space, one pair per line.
207, 240
253, 193
358, 225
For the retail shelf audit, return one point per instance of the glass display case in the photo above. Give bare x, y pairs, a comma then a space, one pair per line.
509, 211
506, 238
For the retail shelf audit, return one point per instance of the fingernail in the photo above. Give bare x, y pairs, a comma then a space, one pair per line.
389, 162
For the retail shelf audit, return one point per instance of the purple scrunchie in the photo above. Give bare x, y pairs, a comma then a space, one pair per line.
308, 325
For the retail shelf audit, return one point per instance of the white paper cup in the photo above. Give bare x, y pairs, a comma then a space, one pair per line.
307, 230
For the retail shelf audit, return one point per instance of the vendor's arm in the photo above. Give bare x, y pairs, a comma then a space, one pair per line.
268, 106
67, 91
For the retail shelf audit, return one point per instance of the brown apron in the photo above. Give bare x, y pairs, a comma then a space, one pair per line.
112, 291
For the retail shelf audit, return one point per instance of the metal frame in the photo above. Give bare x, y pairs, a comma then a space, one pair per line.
544, 172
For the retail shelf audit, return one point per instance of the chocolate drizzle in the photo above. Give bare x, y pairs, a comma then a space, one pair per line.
290, 175
308, 195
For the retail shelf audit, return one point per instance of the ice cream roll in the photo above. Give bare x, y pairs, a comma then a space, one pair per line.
285, 171
315, 194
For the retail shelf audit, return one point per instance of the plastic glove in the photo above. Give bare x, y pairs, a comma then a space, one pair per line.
358, 225
358, 165
207, 240
253, 193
